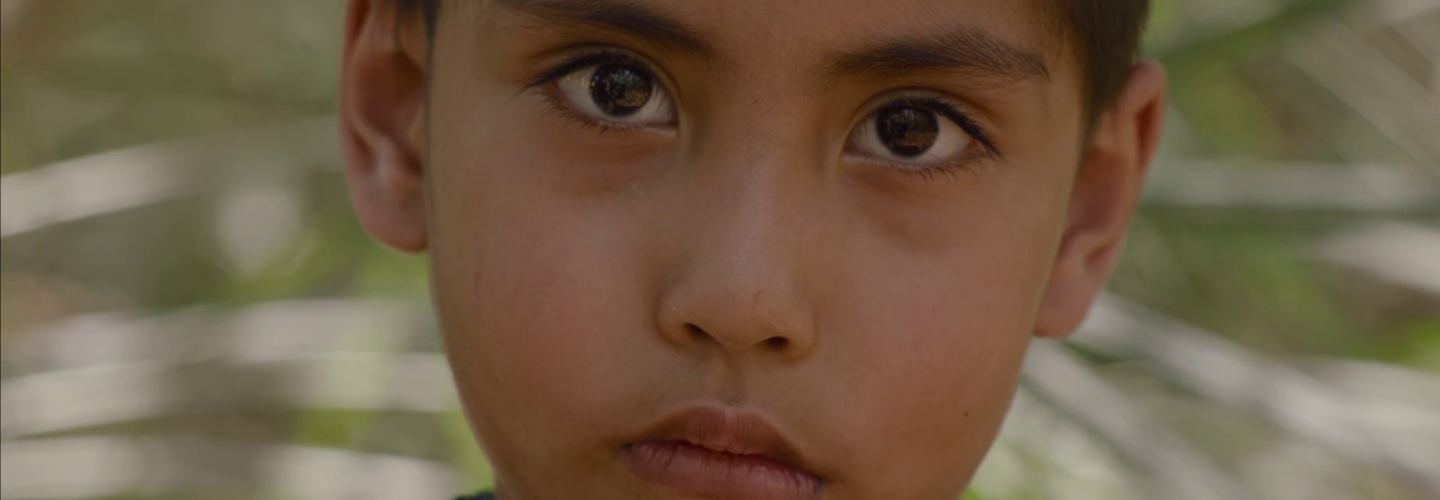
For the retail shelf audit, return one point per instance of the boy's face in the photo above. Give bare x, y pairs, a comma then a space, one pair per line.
746, 250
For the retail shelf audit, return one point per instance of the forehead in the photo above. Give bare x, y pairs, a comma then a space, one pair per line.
736, 30
1000, 56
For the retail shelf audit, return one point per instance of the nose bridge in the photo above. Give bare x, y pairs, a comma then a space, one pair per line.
744, 226
756, 175
749, 235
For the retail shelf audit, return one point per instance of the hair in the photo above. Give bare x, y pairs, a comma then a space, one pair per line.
430, 8
1106, 34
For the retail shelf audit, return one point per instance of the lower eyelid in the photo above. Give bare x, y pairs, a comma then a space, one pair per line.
558, 104
555, 99
951, 110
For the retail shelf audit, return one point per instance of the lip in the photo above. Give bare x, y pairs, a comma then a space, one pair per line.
725, 454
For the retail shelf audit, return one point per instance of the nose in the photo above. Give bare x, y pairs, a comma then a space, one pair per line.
739, 284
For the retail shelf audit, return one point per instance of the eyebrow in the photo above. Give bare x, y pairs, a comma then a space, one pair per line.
628, 17
964, 49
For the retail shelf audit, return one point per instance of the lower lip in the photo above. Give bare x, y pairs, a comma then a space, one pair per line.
707, 473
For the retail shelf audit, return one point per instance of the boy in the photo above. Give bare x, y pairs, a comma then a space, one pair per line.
789, 249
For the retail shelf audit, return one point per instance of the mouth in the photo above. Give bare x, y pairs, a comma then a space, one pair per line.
716, 453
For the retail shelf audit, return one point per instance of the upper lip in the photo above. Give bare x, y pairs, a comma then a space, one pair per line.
729, 431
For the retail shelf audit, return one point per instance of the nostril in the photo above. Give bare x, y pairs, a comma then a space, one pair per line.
696, 332
700, 335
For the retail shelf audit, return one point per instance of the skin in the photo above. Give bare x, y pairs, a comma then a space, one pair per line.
589, 282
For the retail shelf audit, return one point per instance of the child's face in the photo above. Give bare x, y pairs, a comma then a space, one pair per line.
743, 250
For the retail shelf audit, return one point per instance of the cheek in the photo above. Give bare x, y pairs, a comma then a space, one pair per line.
530, 288
935, 366
932, 331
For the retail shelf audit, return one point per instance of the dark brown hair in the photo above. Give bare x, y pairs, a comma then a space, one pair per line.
1106, 34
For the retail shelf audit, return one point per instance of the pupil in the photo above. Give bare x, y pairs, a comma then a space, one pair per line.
908, 132
620, 91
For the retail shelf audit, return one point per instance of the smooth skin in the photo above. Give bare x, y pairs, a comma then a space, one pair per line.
748, 253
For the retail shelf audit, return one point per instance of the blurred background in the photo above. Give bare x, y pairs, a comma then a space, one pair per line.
190, 311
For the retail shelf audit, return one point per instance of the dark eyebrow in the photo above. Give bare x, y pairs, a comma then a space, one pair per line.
958, 50
625, 16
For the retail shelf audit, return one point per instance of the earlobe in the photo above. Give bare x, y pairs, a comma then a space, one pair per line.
382, 111
1103, 199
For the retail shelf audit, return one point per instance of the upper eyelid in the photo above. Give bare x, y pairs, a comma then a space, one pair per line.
581, 58
950, 108
953, 109
914, 95
575, 60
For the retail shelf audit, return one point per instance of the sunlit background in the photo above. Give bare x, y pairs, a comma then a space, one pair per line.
191, 312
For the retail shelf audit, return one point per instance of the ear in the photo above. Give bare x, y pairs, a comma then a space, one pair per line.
382, 120
1102, 202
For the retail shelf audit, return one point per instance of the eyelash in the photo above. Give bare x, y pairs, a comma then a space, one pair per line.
582, 61
937, 105
952, 112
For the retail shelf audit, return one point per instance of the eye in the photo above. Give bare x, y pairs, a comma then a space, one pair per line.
621, 93
915, 135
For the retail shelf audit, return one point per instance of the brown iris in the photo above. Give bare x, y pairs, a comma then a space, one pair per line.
619, 90
907, 131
